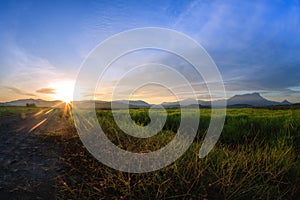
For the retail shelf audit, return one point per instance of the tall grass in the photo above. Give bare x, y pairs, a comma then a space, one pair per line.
256, 157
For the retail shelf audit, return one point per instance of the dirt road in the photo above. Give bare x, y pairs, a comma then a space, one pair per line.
29, 165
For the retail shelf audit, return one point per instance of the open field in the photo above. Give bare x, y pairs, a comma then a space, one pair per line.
256, 157
16, 110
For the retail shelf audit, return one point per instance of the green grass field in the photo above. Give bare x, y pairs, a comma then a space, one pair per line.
16, 110
256, 157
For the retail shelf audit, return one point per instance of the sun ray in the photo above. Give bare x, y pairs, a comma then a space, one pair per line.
63, 91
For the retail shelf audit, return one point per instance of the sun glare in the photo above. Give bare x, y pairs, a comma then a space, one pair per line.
64, 91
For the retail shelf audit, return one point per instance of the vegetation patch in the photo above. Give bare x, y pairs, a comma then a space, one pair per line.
257, 157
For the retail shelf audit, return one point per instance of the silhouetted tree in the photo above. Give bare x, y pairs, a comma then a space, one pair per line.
30, 105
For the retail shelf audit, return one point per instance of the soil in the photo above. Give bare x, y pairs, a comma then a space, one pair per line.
29, 164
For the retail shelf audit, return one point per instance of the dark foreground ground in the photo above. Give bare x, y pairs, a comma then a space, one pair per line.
256, 157
28, 164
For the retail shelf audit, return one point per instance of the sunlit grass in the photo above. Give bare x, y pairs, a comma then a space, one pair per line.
17, 110
257, 157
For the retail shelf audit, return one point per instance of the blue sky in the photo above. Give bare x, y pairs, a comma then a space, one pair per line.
255, 44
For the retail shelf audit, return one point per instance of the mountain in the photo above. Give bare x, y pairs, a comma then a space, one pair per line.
36, 102
285, 103
253, 99
122, 104
119, 104
138, 103
171, 104
237, 101
188, 103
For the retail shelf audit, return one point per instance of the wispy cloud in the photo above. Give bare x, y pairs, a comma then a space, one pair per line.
46, 90
28, 72
18, 91
96, 95
255, 44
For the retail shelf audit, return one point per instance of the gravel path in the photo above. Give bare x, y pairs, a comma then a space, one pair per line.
29, 165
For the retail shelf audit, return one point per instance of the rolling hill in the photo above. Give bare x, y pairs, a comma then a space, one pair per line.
237, 101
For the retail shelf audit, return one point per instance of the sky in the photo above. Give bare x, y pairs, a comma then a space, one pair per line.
255, 44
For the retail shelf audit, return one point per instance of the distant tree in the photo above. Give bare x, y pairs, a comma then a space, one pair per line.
30, 105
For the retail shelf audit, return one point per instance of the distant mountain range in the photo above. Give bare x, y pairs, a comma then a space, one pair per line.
36, 102
254, 99
244, 100
98, 104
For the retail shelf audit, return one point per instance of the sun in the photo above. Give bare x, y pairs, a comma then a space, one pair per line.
63, 91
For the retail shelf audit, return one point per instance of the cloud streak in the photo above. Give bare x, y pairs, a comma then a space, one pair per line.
18, 91
46, 91
255, 44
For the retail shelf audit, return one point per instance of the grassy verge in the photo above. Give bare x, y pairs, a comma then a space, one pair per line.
257, 157
16, 110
